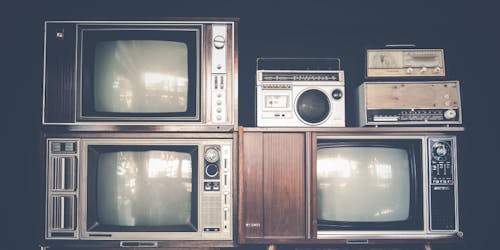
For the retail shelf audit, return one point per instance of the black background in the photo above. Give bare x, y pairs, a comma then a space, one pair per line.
467, 30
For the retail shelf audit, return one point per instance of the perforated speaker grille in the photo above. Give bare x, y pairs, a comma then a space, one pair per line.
211, 211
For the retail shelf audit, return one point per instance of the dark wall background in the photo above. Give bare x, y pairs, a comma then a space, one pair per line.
467, 30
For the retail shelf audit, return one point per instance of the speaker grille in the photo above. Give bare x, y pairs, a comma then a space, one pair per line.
63, 173
63, 216
211, 211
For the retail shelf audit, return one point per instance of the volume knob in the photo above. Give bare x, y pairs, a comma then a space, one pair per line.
450, 114
219, 42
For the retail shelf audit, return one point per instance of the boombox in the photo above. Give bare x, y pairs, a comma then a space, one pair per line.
409, 103
300, 92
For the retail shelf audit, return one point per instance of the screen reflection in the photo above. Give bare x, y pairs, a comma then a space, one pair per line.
363, 184
144, 188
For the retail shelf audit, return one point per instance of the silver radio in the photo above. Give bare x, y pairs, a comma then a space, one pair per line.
413, 62
292, 95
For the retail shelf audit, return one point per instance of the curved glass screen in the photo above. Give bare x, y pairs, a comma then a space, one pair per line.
363, 184
144, 188
141, 76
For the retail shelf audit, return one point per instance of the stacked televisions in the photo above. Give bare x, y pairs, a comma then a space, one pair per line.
394, 176
140, 144
138, 132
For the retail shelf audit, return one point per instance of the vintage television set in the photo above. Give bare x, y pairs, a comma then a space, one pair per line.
395, 186
139, 191
175, 74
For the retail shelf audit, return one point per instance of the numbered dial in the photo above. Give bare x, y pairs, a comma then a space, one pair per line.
440, 151
212, 155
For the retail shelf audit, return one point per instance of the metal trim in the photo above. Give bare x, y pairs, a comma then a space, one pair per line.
455, 186
198, 235
79, 117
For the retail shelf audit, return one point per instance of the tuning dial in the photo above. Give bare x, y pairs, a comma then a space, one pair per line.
212, 155
219, 42
440, 151
450, 114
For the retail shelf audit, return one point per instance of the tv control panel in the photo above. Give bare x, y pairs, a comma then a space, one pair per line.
442, 181
216, 188
219, 74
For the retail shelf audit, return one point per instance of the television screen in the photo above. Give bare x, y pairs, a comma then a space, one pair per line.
141, 76
141, 73
144, 188
363, 184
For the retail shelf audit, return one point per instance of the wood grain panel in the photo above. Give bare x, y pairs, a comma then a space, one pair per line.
410, 95
284, 184
314, 188
251, 193
60, 73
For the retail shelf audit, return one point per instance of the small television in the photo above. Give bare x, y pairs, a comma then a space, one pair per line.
169, 75
135, 192
385, 187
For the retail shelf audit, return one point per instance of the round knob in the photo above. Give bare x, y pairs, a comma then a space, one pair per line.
440, 149
337, 94
219, 42
211, 170
409, 70
423, 70
437, 70
450, 114
211, 155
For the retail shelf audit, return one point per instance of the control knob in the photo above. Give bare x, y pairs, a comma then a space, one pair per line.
450, 114
337, 94
211, 170
219, 42
212, 155
440, 151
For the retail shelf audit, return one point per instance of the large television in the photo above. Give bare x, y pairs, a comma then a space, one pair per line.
171, 74
136, 192
391, 186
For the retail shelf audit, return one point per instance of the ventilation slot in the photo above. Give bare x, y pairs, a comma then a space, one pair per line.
212, 210
63, 212
63, 173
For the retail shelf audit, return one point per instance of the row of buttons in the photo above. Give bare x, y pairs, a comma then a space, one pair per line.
219, 86
436, 70
442, 181
219, 82
212, 186
277, 86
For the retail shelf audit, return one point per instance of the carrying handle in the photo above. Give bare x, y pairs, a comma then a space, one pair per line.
402, 45
261, 60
